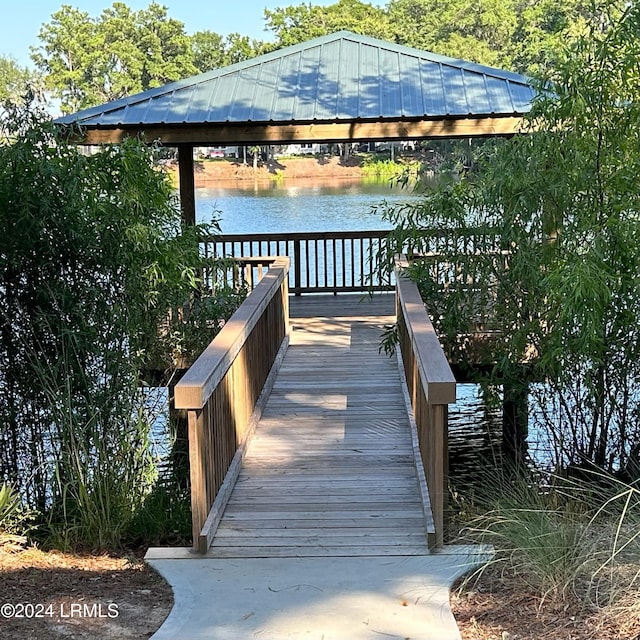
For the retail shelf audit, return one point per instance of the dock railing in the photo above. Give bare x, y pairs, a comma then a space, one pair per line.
321, 262
432, 387
222, 394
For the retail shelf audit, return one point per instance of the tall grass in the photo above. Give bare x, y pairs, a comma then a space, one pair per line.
563, 539
99, 451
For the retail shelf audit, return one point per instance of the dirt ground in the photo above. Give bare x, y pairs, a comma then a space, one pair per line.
327, 168
46, 596
497, 608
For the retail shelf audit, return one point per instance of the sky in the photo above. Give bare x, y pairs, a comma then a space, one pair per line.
22, 19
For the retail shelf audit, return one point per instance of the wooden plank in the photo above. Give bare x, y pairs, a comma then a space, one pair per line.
220, 134
318, 551
392, 539
328, 524
402, 533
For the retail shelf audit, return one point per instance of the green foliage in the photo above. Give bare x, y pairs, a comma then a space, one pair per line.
522, 36
165, 516
297, 23
15, 520
190, 331
480, 32
87, 61
568, 540
211, 50
541, 248
92, 258
373, 166
15, 81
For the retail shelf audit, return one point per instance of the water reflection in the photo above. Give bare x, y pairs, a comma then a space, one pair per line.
275, 207
475, 436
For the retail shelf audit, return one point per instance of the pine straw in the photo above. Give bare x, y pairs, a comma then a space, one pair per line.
496, 607
60, 580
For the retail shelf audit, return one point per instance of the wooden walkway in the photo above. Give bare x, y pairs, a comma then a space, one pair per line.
330, 470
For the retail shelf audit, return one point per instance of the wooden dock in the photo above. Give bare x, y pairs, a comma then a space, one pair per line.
330, 470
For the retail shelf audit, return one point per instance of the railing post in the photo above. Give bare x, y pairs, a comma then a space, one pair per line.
438, 458
198, 474
297, 267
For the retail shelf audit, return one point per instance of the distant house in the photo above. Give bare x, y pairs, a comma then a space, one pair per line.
304, 148
219, 152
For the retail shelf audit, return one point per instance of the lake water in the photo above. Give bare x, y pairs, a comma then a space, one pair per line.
475, 429
341, 205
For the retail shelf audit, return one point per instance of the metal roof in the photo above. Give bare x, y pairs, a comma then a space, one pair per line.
339, 77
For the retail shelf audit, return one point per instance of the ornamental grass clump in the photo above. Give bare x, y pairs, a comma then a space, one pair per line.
571, 541
15, 520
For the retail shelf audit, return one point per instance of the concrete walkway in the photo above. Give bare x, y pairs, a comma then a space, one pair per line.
365, 598
324, 536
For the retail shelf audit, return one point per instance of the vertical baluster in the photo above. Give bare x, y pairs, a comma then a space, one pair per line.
325, 250
344, 266
362, 276
335, 265
306, 262
316, 264
296, 266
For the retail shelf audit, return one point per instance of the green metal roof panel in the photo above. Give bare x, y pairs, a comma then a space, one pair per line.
343, 76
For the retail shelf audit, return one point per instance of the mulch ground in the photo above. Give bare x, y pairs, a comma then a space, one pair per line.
45, 596
496, 608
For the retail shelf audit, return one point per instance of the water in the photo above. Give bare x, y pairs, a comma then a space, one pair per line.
474, 429
340, 205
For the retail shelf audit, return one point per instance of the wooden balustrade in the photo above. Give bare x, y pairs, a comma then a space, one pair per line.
222, 389
432, 387
347, 261
322, 262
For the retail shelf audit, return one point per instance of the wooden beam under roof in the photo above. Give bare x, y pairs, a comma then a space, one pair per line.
248, 133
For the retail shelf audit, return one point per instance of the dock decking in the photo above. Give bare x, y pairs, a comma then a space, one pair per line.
330, 470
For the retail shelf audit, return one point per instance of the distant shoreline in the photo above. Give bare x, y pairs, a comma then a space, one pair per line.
321, 168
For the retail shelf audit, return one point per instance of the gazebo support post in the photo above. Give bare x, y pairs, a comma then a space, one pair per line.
187, 183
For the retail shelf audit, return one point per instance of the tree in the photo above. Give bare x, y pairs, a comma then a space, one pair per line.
556, 218
207, 48
88, 61
297, 23
543, 26
91, 259
15, 81
68, 57
477, 31
212, 51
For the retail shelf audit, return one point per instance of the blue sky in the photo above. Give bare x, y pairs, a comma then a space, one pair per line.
22, 19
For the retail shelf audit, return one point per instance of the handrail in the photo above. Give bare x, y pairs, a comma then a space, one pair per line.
321, 261
221, 390
431, 386
345, 261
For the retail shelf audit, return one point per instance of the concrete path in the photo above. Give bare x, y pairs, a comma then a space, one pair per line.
366, 598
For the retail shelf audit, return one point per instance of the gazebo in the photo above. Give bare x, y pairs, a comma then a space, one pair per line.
341, 88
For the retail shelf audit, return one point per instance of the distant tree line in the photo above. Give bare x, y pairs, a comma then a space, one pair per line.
84, 60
